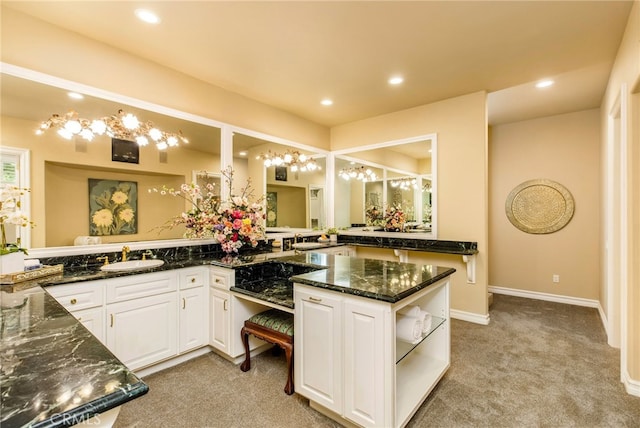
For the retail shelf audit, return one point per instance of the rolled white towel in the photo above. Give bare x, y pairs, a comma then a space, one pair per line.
408, 328
411, 311
426, 321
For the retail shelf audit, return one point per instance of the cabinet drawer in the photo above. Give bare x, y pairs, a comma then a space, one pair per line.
221, 278
75, 297
191, 278
135, 286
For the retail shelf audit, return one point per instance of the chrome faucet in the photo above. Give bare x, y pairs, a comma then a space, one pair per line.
125, 251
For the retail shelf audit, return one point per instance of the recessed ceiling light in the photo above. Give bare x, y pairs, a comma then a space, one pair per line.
75, 95
396, 80
242, 153
147, 16
544, 83
326, 102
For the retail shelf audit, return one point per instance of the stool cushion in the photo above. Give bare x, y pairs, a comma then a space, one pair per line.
275, 320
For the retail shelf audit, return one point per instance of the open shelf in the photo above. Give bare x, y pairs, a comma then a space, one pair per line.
404, 348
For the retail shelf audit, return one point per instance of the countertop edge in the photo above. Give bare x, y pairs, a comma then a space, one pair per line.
87, 411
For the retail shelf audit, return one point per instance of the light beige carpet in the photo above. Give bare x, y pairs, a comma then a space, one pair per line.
538, 364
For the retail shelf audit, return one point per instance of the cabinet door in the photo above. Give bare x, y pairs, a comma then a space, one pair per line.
364, 363
143, 331
193, 319
93, 320
219, 319
318, 347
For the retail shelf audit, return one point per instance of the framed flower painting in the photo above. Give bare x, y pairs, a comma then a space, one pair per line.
113, 207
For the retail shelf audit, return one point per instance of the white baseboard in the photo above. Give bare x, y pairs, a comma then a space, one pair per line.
630, 385
171, 362
470, 317
578, 301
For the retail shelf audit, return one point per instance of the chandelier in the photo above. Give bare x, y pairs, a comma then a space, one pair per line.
124, 126
361, 173
405, 183
291, 158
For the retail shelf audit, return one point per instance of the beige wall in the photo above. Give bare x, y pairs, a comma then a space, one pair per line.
290, 200
565, 149
461, 127
624, 81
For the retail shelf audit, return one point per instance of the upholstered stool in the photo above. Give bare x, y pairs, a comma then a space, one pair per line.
275, 327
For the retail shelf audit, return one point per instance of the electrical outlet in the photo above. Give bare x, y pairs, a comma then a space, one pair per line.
556, 278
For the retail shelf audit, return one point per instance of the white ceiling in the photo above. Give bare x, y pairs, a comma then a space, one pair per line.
293, 54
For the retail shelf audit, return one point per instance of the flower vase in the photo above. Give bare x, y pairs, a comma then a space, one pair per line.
12, 263
333, 238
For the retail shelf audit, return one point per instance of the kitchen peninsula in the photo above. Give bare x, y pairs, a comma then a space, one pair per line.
364, 298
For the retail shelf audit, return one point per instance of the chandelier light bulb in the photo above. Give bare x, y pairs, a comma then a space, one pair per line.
161, 145
98, 127
172, 141
294, 168
86, 134
142, 140
64, 133
73, 126
130, 121
155, 134
287, 158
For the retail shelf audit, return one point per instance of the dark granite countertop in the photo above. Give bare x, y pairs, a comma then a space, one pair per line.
467, 248
52, 369
375, 279
383, 280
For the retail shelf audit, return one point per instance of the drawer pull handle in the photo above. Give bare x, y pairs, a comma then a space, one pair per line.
315, 299
193, 280
184, 303
74, 301
111, 319
218, 281
225, 304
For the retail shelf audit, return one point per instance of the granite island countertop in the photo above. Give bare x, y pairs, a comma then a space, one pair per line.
53, 371
382, 280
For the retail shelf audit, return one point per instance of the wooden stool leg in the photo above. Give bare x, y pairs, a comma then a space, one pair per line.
246, 365
288, 350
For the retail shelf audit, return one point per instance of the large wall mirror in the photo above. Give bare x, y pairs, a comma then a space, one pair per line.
294, 186
372, 180
62, 170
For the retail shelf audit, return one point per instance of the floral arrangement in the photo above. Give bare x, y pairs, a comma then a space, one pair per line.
374, 216
394, 219
233, 223
10, 214
202, 216
241, 222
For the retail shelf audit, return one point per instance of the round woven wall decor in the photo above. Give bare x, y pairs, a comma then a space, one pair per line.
540, 206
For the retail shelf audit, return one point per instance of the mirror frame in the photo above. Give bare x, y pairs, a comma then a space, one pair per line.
351, 153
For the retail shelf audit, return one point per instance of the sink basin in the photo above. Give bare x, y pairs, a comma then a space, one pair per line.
307, 245
132, 265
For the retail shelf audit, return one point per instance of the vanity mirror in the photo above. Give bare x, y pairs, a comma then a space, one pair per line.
292, 178
397, 174
60, 169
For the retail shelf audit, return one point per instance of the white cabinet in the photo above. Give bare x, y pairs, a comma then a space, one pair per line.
85, 301
219, 316
318, 346
93, 320
364, 361
193, 317
347, 358
143, 318
143, 331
